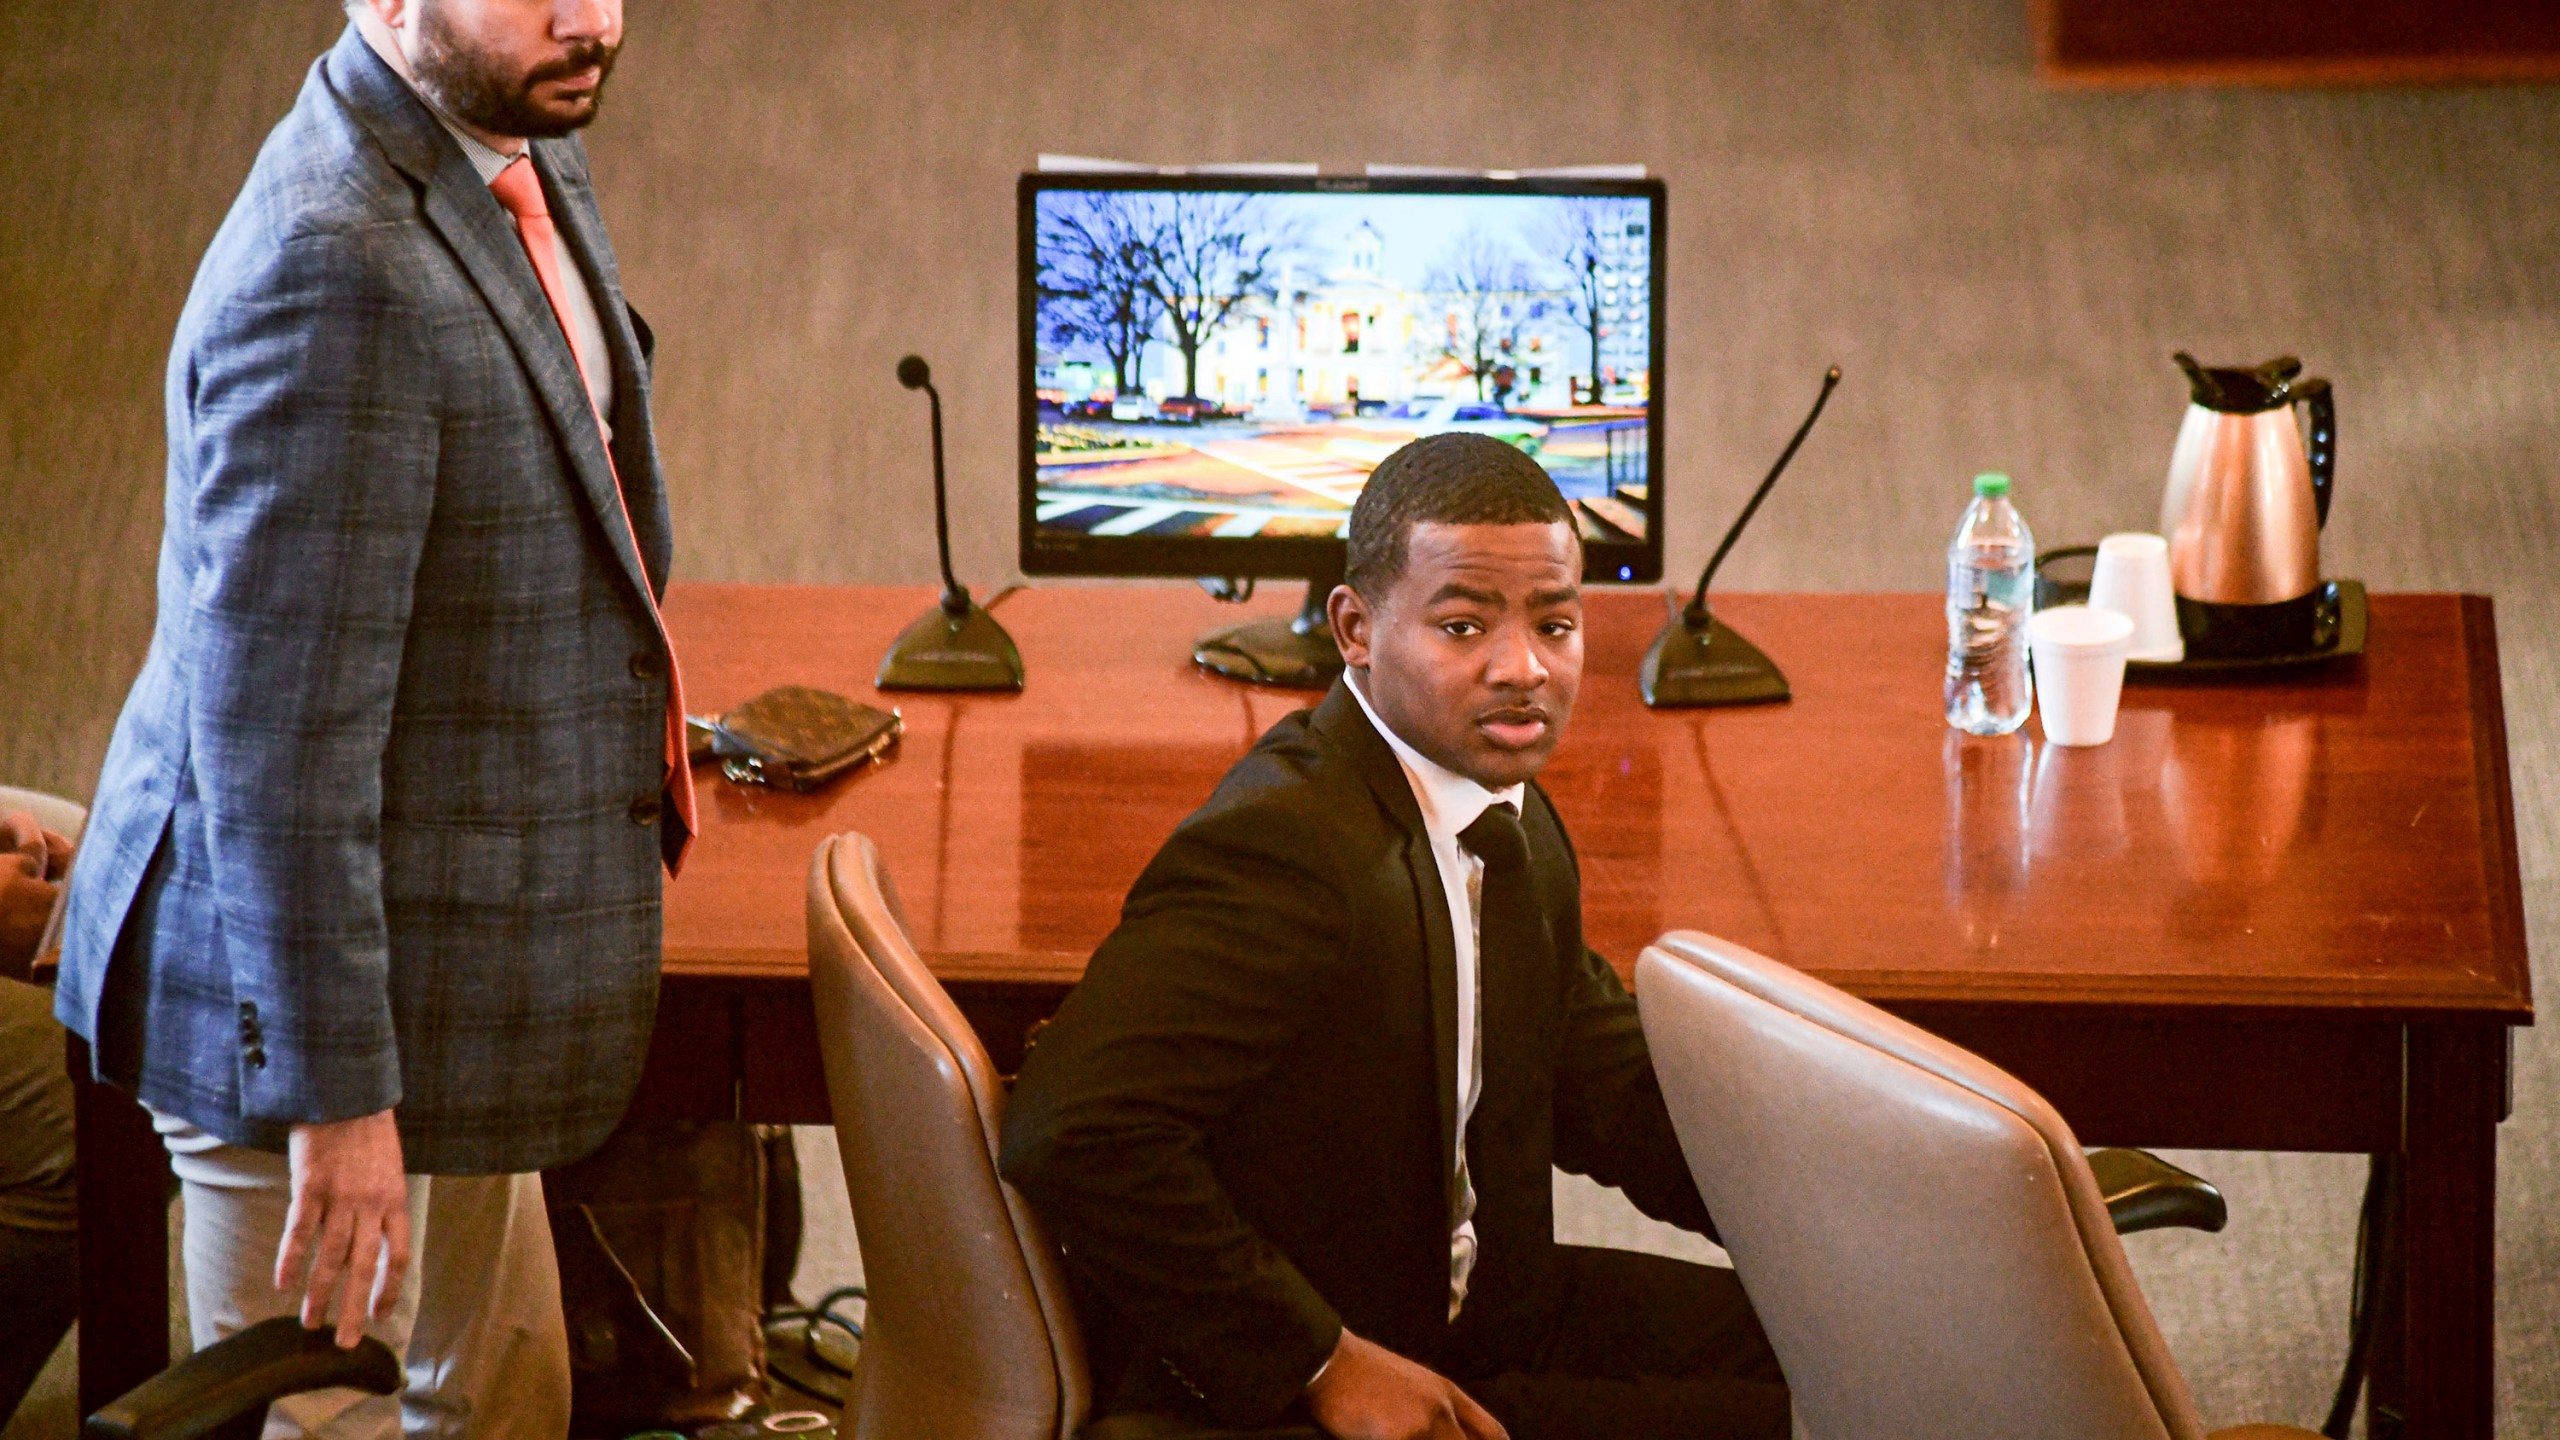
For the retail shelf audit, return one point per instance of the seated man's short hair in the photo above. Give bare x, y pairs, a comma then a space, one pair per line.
1453, 479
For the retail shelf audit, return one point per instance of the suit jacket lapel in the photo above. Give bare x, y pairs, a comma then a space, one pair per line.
562, 165
1342, 720
483, 237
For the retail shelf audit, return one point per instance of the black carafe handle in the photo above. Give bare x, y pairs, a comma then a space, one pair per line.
2323, 447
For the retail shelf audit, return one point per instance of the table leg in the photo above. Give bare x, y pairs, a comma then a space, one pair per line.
124, 1239
2387, 1363
2457, 1091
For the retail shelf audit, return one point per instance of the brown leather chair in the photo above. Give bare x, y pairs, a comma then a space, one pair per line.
1922, 1238
968, 1334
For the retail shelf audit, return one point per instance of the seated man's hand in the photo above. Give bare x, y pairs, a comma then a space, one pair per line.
32, 863
1368, 1392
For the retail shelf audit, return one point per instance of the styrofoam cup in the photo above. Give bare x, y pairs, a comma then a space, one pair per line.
2079, 653
2132, 579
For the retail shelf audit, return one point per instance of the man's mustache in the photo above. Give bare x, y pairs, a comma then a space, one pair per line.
583, 55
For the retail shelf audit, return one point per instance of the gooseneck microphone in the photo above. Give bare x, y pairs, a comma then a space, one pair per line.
917, 375
1697, 660
1696, 614
956, 645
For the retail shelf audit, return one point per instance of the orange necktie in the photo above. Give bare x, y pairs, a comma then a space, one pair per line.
520, 190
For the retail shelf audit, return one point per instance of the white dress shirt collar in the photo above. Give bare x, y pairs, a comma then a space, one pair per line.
1450, 801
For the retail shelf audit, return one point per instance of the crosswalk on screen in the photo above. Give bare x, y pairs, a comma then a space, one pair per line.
1228, 364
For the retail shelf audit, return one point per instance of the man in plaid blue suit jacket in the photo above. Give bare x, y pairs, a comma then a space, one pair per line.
375, 858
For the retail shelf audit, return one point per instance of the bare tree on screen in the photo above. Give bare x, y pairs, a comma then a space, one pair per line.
1210, 252
1096, 252
1487, 286
1573, 242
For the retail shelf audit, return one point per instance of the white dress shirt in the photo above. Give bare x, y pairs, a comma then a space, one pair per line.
1450, 803
487, 163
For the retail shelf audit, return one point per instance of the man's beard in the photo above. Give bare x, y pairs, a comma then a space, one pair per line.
473, 89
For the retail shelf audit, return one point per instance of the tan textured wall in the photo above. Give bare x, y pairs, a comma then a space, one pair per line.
801, 192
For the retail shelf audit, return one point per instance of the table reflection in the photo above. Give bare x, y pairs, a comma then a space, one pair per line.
2086, 794
2220, 803
1990, 788
2241, 800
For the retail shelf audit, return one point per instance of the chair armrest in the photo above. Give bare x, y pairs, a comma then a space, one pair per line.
241, 1375
2145, 1192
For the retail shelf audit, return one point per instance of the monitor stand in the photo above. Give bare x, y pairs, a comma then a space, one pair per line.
1296, 652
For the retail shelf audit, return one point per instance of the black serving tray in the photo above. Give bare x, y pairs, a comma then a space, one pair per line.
2339, 634
2338, 631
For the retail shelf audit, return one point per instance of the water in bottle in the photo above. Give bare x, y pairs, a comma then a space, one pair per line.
1991, 589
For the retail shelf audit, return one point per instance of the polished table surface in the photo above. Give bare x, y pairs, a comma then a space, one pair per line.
2334, 840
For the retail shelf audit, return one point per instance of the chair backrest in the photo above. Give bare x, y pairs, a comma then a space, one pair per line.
968, 1334
1917, 1230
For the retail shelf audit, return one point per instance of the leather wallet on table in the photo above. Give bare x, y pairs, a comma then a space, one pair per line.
795, 738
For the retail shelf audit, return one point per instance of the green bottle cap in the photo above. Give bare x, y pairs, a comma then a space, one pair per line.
1990, 482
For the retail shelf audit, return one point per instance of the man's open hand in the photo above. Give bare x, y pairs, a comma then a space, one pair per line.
349, 1222
1368, 1392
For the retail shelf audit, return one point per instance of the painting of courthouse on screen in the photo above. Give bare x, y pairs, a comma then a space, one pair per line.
1233, 364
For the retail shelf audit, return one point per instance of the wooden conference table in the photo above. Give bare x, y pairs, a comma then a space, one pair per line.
2274, 915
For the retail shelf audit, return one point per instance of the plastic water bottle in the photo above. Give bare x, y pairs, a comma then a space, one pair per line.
1991, 590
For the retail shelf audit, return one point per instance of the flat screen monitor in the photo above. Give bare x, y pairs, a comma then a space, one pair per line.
1211, 366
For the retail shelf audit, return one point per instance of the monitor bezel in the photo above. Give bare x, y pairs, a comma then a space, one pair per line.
1614, 562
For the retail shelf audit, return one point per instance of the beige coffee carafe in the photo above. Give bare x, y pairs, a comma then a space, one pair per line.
2244, 505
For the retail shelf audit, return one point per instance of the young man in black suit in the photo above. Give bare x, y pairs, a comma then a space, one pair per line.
1293, 1131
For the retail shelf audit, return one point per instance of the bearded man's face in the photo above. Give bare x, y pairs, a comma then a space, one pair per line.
528, 68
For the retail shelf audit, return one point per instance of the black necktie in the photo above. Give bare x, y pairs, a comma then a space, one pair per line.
1497, 839
1509, 931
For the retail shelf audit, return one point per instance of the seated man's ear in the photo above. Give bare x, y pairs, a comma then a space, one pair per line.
1352, 625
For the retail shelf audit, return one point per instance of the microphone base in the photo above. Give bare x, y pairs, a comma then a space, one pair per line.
943, 652
1686, 668
1272, 651
1296, 653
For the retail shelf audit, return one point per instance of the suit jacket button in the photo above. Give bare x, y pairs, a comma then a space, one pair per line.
257, 1057
648, 665
644, 811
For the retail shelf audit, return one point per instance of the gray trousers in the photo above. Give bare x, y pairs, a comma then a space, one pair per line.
478, 1324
